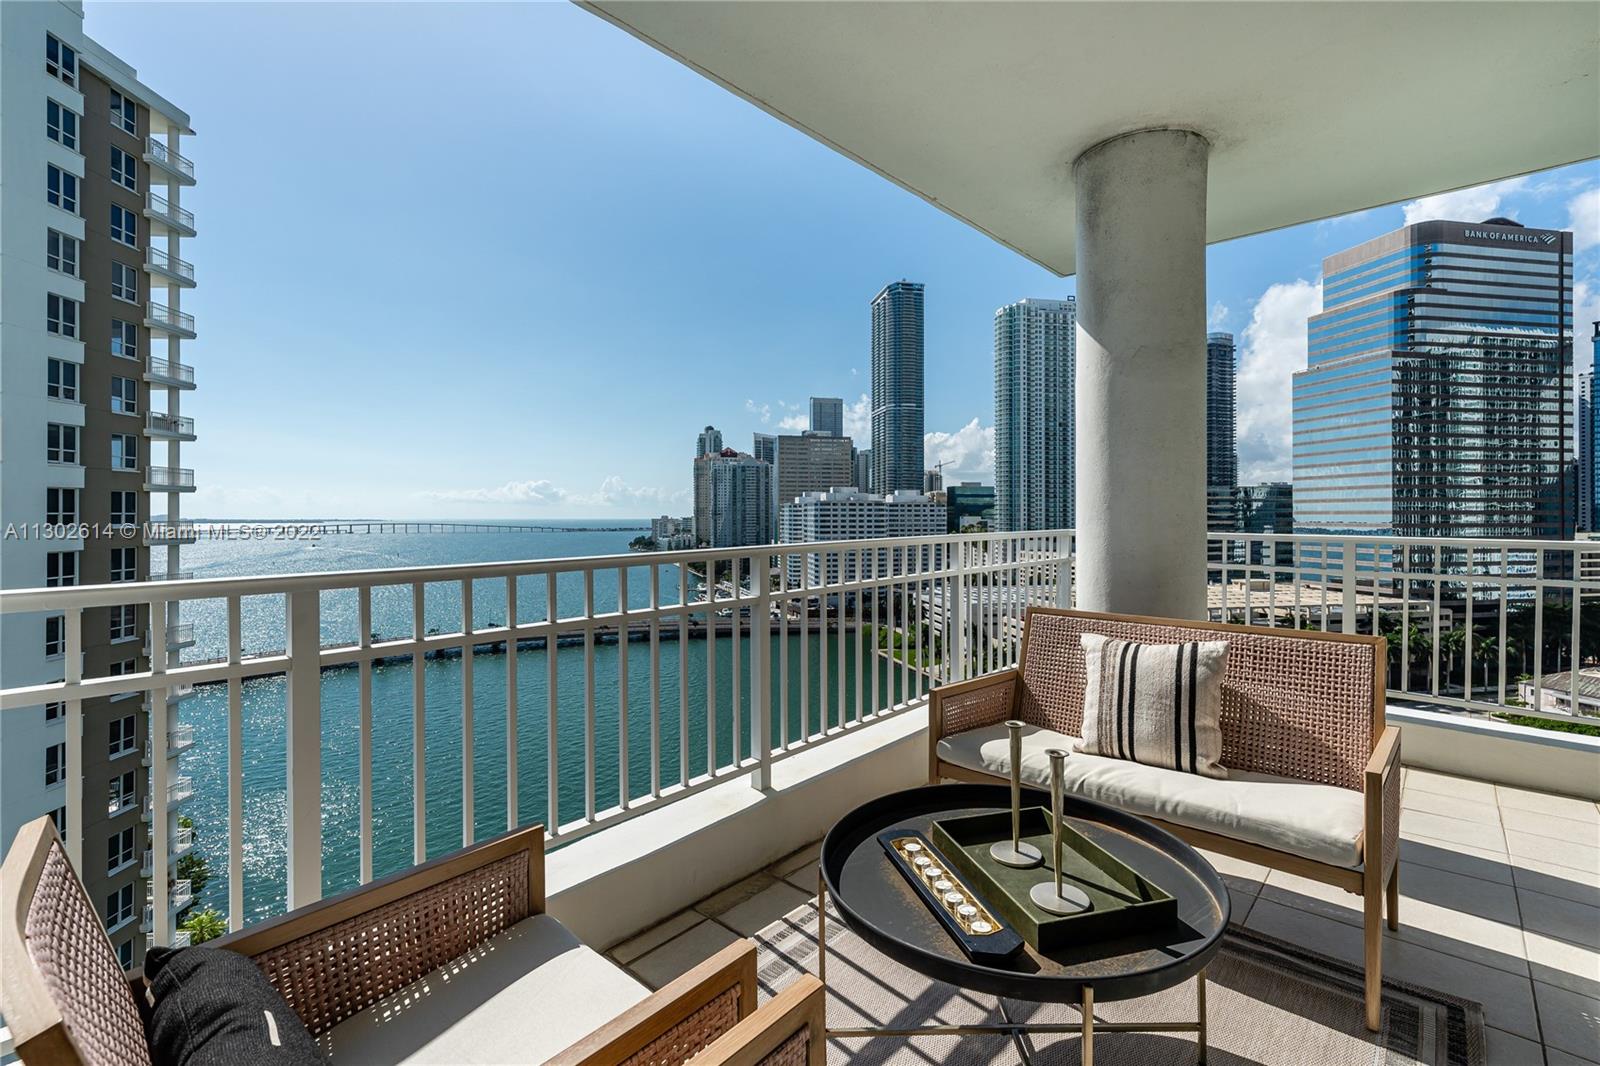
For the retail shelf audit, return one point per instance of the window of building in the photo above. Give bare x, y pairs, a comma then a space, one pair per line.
61, 188
124, 113
60, 61
124, 451
61, 253
61, 506
124, 339
124, 396
124, 508
124, 225
61, 443
52, 711
61, 316
122, 794
124, 282
55, 636
125, 954
124, 565
124, 171
61, 125
119, 850
123, 735
61, 380
119, 906
124, 622
55, 764
60, 568
59, 816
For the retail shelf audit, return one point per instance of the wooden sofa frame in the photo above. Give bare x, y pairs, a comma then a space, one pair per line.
999, 696
461, 900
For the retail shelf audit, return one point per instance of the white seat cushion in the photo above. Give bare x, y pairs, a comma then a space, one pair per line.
523, 996
1319, 822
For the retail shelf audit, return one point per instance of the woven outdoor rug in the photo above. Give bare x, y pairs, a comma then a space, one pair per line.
1268, 1002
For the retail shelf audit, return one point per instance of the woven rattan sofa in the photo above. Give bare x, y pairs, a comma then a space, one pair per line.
452, 961
1313, 784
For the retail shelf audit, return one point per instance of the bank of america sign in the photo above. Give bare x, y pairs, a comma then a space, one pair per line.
1511, 236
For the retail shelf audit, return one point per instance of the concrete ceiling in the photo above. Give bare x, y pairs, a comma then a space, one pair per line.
1312, 109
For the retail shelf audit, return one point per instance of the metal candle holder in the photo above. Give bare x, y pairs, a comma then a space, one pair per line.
1014, 852
1053, 896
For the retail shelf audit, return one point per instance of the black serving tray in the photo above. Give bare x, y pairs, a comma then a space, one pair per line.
1121, 900
991, 947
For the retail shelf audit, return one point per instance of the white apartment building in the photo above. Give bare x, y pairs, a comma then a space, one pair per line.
849, 514
91, 382
1035, 388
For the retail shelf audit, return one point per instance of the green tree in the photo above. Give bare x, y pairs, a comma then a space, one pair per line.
204, 925
192, 863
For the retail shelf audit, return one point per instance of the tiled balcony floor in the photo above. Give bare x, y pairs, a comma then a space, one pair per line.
1500, 903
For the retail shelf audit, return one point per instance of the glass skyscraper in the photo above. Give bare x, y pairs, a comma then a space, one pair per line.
897, 388
1222, 416
1035, 390
1588, 440
1436, 400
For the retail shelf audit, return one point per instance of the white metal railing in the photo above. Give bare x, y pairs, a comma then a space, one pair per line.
1471, 623
161, 207
182, 841
170, 477
156, 533
163, 424
158, 152
169, 318
179, 739
158, 258
831, 636
170, 370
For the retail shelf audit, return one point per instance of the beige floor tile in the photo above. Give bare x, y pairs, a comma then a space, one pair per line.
1540, 823
1570, 1022
764, 908
655, 936
1554, 880
1506, 997
1579, 857
1456, 830
1508, 1049
1554, 1057
682, 953
735, 894
1413, 799
1547, 803
1237, 872
1240, 902
1565, 965
1457, 858
1565, 919
801, 860
805, 878
1445, 785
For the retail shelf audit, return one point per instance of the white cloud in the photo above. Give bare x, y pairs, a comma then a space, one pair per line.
1583, 218
794, 423
1464, 205
534, 492
1272, 348
618, 494
968, 453
858, 421
762, 410
1218, 315
1586, 312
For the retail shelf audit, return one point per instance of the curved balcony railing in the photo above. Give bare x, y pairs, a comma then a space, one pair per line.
161, 209
169, 477
169, 318
165, 425
170, 372
158, 153
159, 259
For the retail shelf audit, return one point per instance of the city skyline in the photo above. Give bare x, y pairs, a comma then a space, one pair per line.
844, 231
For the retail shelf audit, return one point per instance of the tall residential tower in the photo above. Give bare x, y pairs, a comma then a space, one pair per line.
1035, 381
1437, 399
827, 416
1222, 415
91, 387
897, 388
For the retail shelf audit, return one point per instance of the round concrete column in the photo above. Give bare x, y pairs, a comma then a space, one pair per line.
1141, 388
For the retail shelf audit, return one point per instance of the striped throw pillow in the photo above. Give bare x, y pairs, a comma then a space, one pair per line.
1158, 704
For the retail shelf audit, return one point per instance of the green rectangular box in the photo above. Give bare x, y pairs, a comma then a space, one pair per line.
1121, 901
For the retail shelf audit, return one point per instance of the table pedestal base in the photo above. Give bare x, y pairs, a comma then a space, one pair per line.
1088, 1027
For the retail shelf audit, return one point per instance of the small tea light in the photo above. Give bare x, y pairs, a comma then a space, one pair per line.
942, 886
923, 861
981, 927
932, 873
955, 899
967, 910
913, 847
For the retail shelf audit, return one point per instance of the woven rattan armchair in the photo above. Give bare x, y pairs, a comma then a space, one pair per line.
1296, 705
67, 1000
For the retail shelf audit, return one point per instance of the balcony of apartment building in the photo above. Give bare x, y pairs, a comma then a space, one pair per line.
169, 268
169, 372
161, 426
180, 738
180, 843
168, 479
164, 533
163, 319
168, 162
168, 215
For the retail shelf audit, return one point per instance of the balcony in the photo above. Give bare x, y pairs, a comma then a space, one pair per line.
170, 163
180, 738
179, 843
164, 319
169, 372
168, 479
165, 213
164, 264
162, 533
179, 636
159, 426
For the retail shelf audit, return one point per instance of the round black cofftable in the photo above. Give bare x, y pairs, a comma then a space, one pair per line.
879, 905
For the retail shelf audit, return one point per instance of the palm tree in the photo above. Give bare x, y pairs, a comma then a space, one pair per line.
204, 925
1452, 644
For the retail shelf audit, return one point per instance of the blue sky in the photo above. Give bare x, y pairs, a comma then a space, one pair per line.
505, 260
